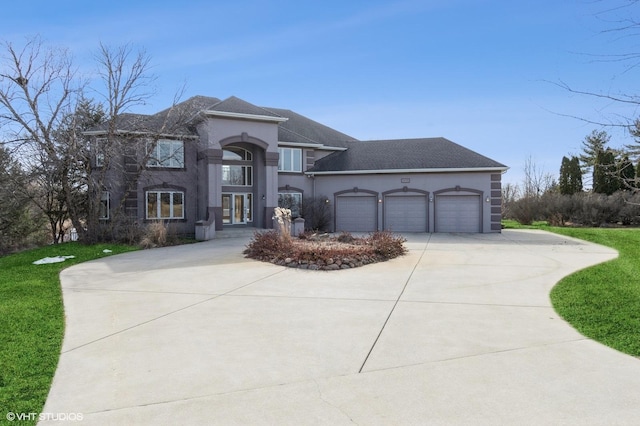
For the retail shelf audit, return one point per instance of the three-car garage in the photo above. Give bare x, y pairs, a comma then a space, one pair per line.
402, 212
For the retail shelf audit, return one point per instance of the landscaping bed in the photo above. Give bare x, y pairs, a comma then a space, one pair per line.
316, 251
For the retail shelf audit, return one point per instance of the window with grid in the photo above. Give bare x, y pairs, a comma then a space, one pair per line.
165, 205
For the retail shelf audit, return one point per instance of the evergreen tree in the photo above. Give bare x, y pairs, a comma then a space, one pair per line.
570, 176
563, 180
626, 173
633, 150
593, 144
605, 177
575, 174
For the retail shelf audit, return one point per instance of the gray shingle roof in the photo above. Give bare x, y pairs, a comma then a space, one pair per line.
237, 105
404, 154
298, 126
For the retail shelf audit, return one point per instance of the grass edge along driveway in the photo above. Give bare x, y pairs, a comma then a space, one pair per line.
32, 324
602, 302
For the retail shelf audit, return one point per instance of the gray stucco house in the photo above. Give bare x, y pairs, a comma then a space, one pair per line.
220, 164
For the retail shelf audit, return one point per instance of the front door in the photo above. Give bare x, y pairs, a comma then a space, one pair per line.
237, 209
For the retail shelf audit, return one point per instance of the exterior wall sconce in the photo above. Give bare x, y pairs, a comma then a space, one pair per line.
263, 197
380, 200
488, 200
326, 200
431, 198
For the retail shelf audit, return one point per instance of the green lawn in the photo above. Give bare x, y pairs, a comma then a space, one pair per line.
603, 302
32, 323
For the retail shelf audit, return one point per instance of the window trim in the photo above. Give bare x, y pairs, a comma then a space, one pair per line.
158, 193
290, 153
155, 159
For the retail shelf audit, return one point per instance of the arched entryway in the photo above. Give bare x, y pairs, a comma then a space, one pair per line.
245, 184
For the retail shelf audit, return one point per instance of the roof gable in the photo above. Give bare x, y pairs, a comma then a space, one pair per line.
238, 106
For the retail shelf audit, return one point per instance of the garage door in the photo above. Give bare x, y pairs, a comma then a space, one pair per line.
356, 214
405, 213
457, 213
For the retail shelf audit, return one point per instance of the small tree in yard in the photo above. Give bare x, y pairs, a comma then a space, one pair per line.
317, 213
536, 183
125, 80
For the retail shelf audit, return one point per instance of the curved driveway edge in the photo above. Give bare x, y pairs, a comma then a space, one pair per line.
459, 331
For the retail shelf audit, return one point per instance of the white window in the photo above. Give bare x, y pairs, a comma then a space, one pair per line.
291, 201
237, 175
166, 153
290, 160
104, 206
165, 205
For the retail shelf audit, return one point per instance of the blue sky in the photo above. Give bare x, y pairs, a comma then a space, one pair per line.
478, 72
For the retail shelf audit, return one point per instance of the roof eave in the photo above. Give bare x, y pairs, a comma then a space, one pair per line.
138, 133
317, 146
242, 116
405, 171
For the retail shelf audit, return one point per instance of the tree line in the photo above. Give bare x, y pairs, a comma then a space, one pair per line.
598, 187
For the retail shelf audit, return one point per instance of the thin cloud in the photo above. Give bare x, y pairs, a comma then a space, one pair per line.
239, 46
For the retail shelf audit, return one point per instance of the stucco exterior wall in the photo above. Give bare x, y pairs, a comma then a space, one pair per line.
165, 179
215, 129
258, 137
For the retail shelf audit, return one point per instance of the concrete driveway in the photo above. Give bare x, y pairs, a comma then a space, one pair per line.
459, 331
